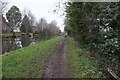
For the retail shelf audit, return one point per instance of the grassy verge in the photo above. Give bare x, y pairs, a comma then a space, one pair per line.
80, 65
28, 62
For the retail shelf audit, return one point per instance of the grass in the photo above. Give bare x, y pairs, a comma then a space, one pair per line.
28, 62
80, 65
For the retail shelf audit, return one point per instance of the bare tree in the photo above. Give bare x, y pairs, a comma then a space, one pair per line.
3, 6
42, 24
31, 17
53, 28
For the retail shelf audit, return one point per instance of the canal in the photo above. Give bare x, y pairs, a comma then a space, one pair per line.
10, 44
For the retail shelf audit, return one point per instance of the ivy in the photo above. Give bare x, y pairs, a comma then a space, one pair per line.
97, 27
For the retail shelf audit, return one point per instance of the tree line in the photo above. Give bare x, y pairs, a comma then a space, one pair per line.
27, 23
96, 26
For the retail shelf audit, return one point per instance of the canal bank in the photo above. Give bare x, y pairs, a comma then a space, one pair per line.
28, 62
11, 43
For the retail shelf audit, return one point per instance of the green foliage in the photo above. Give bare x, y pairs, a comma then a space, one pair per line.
22, 28
25, 26
96, 26
80, 65
28, 62
14, 16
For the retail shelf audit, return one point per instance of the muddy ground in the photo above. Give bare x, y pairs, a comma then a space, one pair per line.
57, 65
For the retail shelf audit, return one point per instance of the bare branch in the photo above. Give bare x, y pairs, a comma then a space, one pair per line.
3, 6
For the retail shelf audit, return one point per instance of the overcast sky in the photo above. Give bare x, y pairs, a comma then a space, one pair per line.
41, 9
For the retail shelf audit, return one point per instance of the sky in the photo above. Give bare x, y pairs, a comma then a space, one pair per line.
41, 9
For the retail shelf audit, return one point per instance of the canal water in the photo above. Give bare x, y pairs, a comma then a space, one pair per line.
10, 44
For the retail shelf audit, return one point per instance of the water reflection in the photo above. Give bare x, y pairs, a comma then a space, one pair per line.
9, 44
18, 43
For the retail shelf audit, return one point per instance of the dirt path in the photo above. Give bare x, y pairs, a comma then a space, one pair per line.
57, 65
